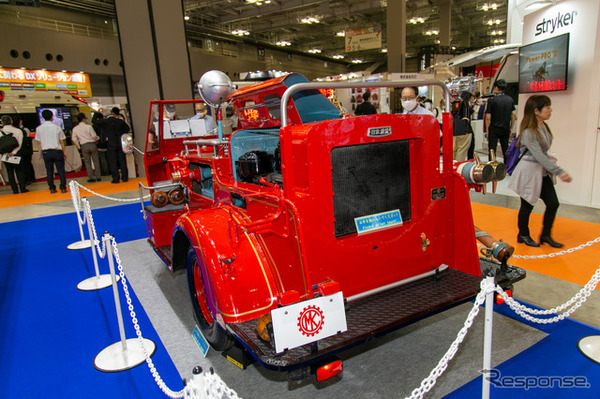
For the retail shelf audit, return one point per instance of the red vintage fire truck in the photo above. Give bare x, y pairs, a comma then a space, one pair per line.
307, 231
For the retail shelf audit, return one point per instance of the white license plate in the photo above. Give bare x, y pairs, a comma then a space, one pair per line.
308, 321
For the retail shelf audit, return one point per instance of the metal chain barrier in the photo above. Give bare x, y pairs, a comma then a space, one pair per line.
430, 381
208, 386
161, 384
205, 385
565, 252
214, 388
73, 182
572, 304
76, 199
101, 251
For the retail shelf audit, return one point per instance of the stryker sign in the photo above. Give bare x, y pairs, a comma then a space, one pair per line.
550, 25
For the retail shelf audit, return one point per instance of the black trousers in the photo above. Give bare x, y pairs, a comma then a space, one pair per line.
12, 170
496, 134
471, 151
116, 160
548, 195
27, 168
52, 158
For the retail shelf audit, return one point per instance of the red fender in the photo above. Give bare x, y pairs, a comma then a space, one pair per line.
240, 285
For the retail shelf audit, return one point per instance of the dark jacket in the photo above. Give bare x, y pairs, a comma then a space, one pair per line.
365, 108
112, 128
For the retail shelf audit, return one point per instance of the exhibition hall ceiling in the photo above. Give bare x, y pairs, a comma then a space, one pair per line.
315, 27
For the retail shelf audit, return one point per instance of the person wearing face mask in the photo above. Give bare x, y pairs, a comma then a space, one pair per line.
201, 114
410, 104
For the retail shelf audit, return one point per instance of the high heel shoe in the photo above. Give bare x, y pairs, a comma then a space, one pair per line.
527, 240
550, 241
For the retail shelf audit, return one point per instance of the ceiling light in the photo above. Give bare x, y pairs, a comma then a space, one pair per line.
310, 20
341, 33
384, 50
418, 20
357, 61
489, 6
283, 43
338, 56
187, 17
240, 32
314, 51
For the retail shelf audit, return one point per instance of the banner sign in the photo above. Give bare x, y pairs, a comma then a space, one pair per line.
363, 39
76, 84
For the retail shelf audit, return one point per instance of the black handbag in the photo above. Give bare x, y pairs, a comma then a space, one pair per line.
7, 143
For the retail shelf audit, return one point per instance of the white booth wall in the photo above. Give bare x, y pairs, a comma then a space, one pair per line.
575, 120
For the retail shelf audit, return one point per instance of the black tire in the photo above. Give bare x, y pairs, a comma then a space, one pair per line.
216, 335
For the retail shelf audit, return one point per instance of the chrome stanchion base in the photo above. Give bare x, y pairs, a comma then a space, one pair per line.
96, 282
83, 244
590, 347
114, 358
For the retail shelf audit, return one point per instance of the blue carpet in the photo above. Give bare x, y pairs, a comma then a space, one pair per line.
50, 332
556, 355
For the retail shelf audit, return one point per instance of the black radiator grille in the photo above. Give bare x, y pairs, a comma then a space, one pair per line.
369, 179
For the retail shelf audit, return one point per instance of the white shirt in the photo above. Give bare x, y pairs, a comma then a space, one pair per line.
419, 111
17, 133
208, 121
83, 134
49, 136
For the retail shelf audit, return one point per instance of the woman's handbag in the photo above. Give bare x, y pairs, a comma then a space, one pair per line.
512, 156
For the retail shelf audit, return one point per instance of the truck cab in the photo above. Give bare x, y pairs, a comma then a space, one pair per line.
307, 231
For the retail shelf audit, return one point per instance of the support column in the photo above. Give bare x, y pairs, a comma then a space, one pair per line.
155, 58
396, 35
445, 22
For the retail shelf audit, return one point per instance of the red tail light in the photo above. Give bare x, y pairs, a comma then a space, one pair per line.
1, 95
499, 300
329, 370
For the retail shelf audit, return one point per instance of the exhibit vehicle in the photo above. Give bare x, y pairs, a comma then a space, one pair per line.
307, 231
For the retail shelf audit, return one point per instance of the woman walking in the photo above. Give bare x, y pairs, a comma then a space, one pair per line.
532, 179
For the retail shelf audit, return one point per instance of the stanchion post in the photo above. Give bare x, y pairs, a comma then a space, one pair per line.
86, 205
487, 338
83, 243
98, 281
109, 252
127, 353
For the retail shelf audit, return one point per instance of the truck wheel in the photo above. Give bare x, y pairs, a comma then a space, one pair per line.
216, 335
